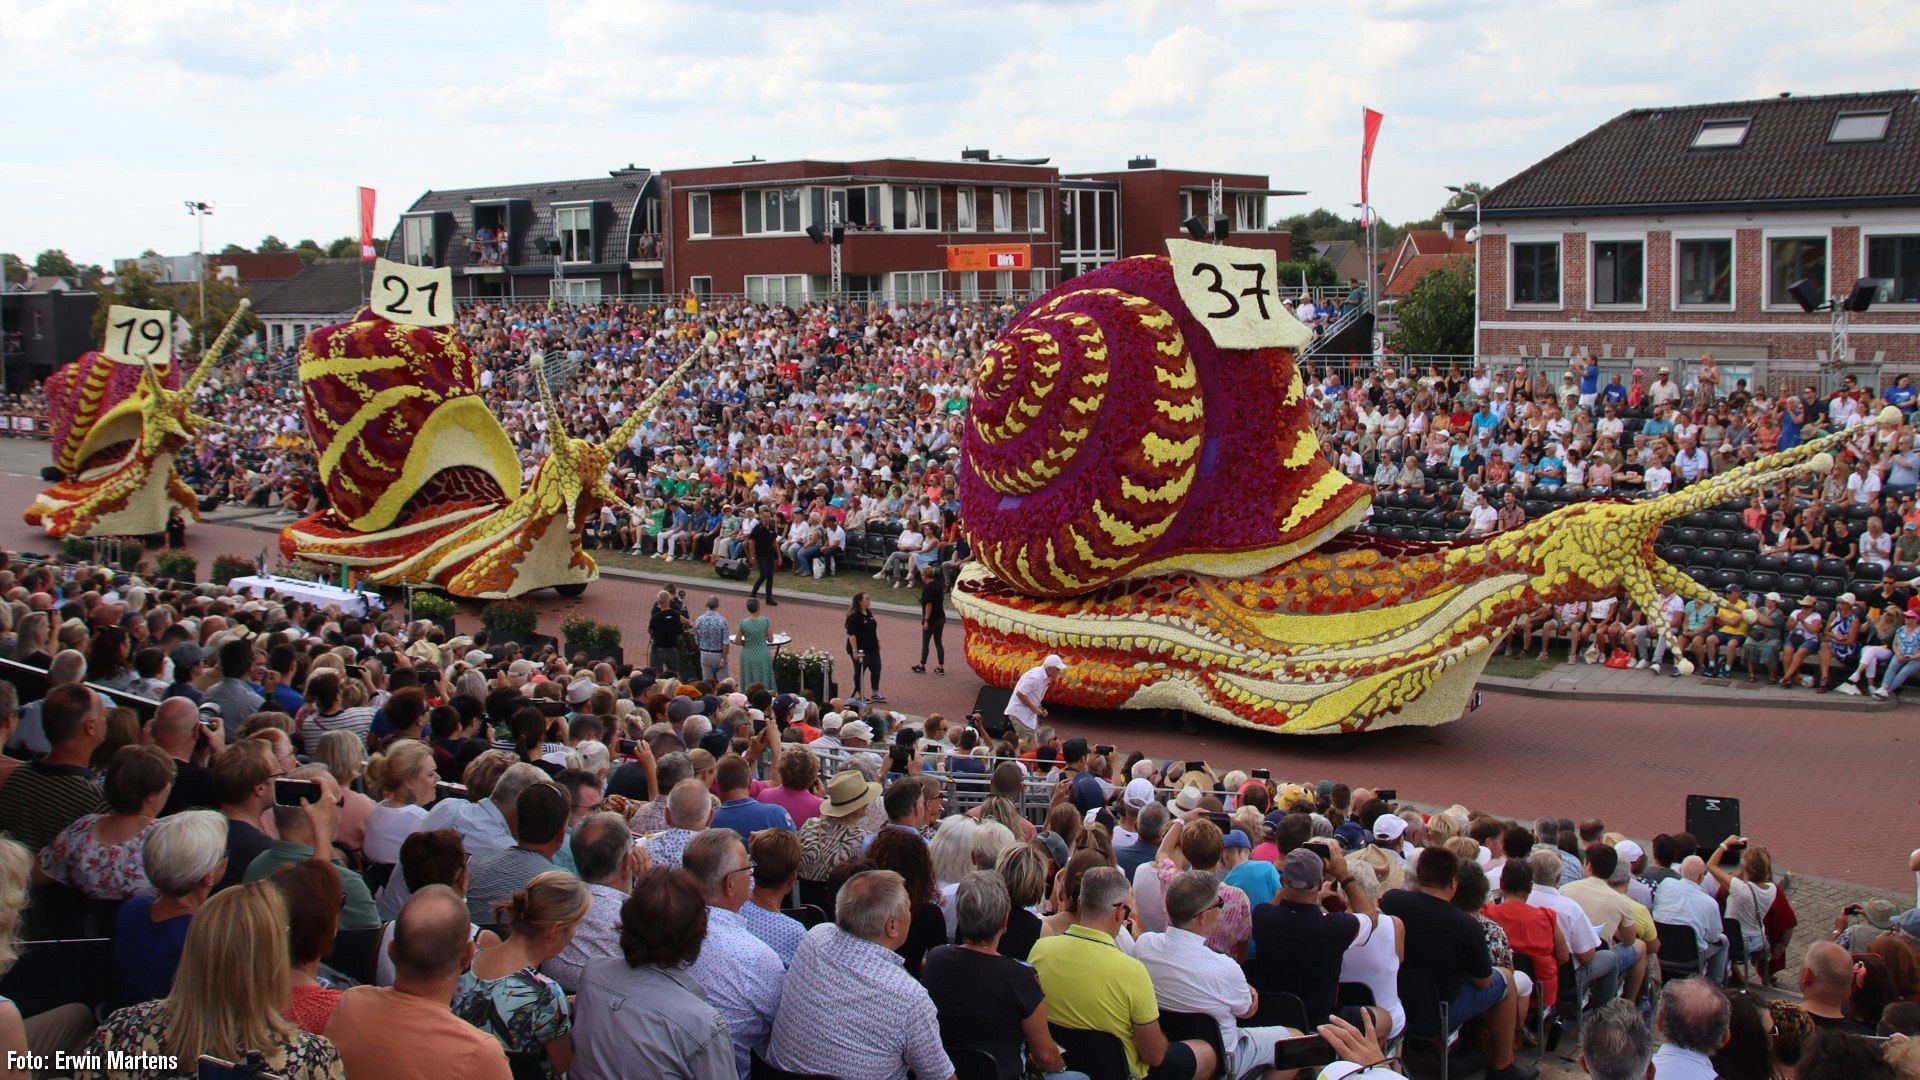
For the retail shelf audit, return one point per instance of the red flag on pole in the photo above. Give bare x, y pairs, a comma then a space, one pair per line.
366, 223
1370, 124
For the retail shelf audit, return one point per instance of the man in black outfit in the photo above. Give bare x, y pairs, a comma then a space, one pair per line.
1299, 945
763, 551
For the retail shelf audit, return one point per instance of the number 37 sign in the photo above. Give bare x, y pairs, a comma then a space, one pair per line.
1234, 293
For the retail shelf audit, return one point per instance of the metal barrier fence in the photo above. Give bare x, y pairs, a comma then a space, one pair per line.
1775, 376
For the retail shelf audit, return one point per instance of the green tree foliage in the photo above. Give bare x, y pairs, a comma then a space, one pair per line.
1318, 271
346, 247
1437, 316
17, 271
234, 249
272, 244
308, 250
54, 263
140, 288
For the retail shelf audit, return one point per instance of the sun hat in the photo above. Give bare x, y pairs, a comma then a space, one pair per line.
848, 793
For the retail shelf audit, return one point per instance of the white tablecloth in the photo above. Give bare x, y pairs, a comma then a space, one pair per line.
350, 603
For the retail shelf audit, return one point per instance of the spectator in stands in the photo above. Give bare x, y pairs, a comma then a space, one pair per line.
231, 995
1826, 989
1615, 1043
1679, 900
313, 897
799, 773
641, 1013
1449, 946
1533, 932
99, 854
404, 777
986, 999
1610, 911
1596, 969
1023, 871
774, 857
1693, 1020
61, 1028
1844, 1057
328, 710
308, 830
608, 861
1190, 977
741, 974
1194, 845
837, 834
1299, 945
407, 1031
689, 810
482, 823
1152, 824
235, 698
739, 810
906, 854
539, 828
345, 756
1383, 853
182, 856
839, 969
48, 794
503, 993
176, 729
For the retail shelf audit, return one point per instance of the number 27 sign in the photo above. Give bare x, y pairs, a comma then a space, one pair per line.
1234, 293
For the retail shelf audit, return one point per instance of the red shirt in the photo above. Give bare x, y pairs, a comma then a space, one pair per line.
311, 1007
1530, 932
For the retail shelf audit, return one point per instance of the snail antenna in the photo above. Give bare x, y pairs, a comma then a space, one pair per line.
205, 366
558, 426
640, 413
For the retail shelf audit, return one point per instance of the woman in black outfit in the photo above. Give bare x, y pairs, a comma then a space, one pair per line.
933, 619
863, 645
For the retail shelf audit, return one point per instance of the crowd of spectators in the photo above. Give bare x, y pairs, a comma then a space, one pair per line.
255, 801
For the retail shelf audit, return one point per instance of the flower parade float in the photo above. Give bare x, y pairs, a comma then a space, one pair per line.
424, 483
1156, 508
121, 416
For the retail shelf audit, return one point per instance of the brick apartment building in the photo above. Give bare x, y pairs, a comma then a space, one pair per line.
979, 226
1676, 231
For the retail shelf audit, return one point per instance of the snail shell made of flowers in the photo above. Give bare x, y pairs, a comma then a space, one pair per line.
1110, 439
390, 408
95, 404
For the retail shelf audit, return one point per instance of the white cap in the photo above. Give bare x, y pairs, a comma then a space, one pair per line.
1629, 851
1139, 792
831, 722
856, 730
477, 657
579, 690
1053, 663
1388, 827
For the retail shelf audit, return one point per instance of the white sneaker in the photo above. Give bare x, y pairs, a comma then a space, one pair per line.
1848, 689
1881, 692
1638, 664
1592, 656
669, 558
879, 575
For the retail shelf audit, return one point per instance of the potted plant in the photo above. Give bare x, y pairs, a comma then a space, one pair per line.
436, 609
76, 549
176, 564
786, 672
228, 567
510, 620
592, 639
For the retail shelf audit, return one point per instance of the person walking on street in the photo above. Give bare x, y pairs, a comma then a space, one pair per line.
933, 620
763, 551
710, 633
863, 645
665, 625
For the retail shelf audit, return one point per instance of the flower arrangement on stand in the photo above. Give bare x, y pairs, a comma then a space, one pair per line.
435, 609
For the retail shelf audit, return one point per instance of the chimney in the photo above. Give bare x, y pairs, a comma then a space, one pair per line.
1447, 227
971, 154
1142, 162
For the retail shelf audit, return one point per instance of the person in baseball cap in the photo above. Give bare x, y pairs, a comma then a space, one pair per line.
1384, 853
185, 657
1139, 792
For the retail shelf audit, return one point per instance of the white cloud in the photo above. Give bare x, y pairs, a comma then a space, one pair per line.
275, 109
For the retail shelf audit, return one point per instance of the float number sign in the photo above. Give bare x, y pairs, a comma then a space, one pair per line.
1234, 293
412, 295
138, 336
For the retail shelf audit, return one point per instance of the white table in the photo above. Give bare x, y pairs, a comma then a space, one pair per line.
776, 640
310, 592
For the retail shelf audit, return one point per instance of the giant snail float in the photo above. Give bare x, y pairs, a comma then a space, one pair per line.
119, 424
425, 485
1157, 510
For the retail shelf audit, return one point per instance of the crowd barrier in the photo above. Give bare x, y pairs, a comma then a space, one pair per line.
26, 426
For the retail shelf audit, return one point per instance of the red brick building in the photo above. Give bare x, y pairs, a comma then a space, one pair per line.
1676, 231
1152, 202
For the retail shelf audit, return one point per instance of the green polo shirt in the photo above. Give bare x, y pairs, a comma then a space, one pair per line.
358, 913
1091, 985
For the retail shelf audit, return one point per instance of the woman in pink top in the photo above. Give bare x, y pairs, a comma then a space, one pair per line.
799, 777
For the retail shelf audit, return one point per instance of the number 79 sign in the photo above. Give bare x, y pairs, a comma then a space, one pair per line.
412, 295
138, 336
1234, 293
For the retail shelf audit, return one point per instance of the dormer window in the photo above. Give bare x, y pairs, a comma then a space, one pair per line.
1721, 133
1860, 126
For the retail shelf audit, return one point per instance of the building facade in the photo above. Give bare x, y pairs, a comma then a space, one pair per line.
42, 329
1672, 232
1151, 203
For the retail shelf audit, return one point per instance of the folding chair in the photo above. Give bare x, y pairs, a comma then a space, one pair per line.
1095, 1053
1181, 1026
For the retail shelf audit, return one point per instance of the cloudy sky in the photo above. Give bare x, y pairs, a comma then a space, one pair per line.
115, 111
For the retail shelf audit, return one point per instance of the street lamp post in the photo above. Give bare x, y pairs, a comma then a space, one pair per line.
1475, 237
200, 212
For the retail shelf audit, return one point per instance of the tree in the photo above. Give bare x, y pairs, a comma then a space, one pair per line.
1436, 317
346, 247
141, 288
17, 271
1317, 271
271, 244
234, 249
1458, 200
308, 250
54, 263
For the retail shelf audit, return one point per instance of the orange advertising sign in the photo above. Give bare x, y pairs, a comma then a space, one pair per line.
964, 257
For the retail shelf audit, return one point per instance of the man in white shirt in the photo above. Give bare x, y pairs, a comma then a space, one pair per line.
1485, 517
1679, 900
1664, 390
1695, 1021
1658, 478
741, 974
1188, 977
1030, 692
1596, 969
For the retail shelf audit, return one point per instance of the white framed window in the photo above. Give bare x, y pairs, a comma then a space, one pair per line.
1037, 281
1533, 275
1715, 134
1791, 257
1249, 213
912, 285
573, 227
1002, 209
1617, 273
969, 284
770, 211
863, 207
1003, 282
701, 287
1187, 210
963, 209
1703, 272
1860, 126
776, 288
1894, 258
916, 207
699, 214
416, 240
1036, 210
577, 290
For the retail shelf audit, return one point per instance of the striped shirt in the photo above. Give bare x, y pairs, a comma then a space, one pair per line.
498, 876
837, 975
357, 720
39, 800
